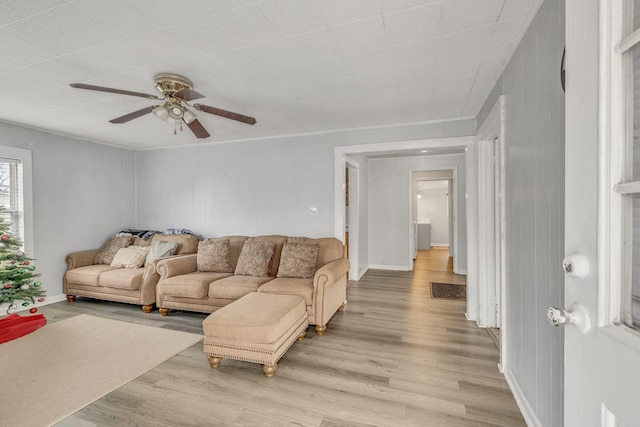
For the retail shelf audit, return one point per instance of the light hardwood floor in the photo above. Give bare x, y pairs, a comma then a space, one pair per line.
394, 357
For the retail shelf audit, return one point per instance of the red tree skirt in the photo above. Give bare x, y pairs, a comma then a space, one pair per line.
14, 326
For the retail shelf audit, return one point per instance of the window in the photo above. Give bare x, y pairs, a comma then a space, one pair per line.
11, 195
625, 160
15, 194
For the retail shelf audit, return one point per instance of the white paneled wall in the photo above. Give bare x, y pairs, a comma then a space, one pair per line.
535, 214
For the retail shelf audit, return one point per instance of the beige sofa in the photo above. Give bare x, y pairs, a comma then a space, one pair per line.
183, 287
130, 285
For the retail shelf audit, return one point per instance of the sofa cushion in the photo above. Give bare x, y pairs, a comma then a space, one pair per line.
122, 278
279, 240
87, 275
290, 286
298, 260
330, 248
160, 249
187, 243
130, 257
214, 255
191, 285
235, 287
108, 250
256, 258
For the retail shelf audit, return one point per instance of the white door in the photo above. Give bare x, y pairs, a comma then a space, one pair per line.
602, 347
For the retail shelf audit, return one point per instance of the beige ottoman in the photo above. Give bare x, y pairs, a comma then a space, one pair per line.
257, 328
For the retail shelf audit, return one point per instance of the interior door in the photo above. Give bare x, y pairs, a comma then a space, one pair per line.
602, 348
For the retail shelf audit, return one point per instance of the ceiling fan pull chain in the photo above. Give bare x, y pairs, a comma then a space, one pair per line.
175, 125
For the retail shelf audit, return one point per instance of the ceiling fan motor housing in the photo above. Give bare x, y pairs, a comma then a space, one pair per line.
168, 83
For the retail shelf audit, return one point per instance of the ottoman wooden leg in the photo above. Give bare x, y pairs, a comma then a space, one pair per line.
269, 370
71, 298
214, 361
321, 329
147, 308
164, 311
341, 308
302, 335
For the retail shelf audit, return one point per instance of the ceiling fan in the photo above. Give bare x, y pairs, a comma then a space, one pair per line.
176, 91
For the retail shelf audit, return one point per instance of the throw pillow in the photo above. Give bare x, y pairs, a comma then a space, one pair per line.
255, 258
214, 255
160, 248
130, 257
298, 260
108, 251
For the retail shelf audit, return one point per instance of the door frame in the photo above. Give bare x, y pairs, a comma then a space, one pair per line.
491, 255
354, 220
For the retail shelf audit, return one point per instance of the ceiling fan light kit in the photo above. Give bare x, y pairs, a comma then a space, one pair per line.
177, 91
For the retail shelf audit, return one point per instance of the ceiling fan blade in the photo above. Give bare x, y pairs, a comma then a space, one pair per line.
134, 115
197, 129
224, 113
187, 94
111, 90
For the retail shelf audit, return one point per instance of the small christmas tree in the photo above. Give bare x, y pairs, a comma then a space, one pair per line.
17, 277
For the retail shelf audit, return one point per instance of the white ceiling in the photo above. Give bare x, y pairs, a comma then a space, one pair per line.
297, 66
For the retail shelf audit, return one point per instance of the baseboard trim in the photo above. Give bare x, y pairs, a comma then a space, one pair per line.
362, 272
389, 267
527, 411
47, 301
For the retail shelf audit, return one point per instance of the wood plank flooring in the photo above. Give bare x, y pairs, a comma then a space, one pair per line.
394, 357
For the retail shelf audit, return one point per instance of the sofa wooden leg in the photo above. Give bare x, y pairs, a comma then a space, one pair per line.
71, 298
302, 335
147, 308
269, 370
321, 329
164, 311
341, 308
214, 361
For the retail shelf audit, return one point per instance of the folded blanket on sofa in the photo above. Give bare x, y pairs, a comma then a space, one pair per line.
181, 231
143, 234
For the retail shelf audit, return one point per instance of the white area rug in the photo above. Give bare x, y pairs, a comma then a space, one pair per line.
64, 366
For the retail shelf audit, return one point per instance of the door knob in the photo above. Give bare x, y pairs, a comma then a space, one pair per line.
576, 265
559, 317
577, 315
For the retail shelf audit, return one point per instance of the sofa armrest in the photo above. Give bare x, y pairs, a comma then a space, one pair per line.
80, 259
176, 265
329, 273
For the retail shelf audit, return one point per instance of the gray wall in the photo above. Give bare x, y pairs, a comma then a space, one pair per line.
260, 187
535, 210
390, 212
82, 194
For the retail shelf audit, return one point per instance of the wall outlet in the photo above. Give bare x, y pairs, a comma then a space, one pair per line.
313, 210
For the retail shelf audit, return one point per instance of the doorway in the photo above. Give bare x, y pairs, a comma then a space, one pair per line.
433, 214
